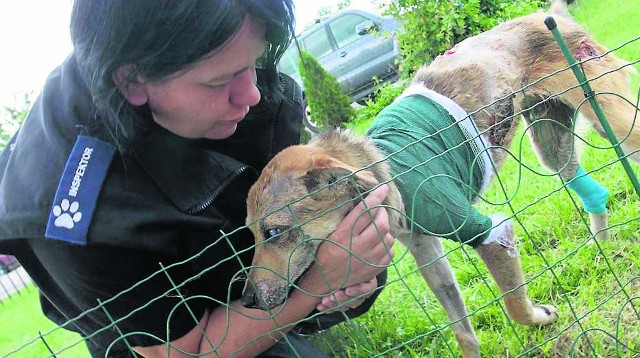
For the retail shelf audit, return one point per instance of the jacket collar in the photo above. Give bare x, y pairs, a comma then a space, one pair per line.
185, 171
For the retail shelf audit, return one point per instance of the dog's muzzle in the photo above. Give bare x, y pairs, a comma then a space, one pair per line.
249, 299
263, 295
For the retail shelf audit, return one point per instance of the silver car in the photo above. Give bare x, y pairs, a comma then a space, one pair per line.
357, 47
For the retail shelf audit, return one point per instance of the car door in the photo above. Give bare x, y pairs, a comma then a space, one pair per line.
361, 56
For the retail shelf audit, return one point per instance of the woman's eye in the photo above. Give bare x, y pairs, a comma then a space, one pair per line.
216, 85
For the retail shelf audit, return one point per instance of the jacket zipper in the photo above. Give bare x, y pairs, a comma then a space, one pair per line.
274, 121
273, 130
213, 197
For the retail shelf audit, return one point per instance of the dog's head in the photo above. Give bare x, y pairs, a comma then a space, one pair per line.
296, 203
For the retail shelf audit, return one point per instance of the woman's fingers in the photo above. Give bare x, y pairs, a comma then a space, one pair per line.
349, 297
360, 216
363, 289
363, 241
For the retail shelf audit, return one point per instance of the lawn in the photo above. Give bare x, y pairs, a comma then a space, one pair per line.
21, 324
593, 284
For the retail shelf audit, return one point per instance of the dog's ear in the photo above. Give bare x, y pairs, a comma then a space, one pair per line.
328, 170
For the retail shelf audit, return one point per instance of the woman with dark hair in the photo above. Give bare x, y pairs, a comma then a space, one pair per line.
124, 192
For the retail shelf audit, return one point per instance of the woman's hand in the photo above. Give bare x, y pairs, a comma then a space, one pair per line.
348, 298
359, 249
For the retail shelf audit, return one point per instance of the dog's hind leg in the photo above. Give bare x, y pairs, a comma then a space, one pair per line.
503, 260
552, 139
610, 81
618, 103
435, 268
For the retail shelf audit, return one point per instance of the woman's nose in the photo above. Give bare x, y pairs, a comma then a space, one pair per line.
244, 91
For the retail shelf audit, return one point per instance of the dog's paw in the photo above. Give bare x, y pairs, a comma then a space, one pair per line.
598, 225
544, 314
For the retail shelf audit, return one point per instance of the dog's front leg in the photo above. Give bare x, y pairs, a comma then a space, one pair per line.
435, 268
502, 258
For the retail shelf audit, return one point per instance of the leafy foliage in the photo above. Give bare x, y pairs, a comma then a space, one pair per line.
330, 107
432, 27
382, 97
12, 119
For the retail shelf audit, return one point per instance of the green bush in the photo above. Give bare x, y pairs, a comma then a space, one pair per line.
434, 26
329, 106
305, 136
383, 96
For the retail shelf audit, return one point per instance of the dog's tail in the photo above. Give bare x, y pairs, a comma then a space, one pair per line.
559, 7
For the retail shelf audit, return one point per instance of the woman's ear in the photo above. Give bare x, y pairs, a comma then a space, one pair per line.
129, 85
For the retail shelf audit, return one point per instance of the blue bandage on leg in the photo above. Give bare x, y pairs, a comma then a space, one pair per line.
593, 195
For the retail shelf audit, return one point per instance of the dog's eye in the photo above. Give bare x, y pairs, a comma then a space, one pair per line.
272, 232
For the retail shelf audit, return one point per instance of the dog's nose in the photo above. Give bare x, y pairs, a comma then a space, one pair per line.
248, 299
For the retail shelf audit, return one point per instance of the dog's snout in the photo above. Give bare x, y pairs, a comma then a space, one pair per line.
248, 299
263, 295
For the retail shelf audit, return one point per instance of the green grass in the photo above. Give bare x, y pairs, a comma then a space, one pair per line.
591, 284
21, 323
614, 24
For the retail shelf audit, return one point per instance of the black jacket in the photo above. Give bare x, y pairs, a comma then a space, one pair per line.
168, 200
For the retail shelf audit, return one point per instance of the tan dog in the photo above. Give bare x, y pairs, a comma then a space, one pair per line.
306, 190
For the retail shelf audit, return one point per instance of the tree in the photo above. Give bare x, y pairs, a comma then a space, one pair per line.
329, 106
324, 10
432, 27
344, 4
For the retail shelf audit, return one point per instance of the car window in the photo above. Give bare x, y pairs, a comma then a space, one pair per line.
289, 61
317, 43
344, 28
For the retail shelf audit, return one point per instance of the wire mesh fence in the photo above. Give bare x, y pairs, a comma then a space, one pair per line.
594, 283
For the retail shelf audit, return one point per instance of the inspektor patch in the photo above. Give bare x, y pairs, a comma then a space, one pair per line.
78, 190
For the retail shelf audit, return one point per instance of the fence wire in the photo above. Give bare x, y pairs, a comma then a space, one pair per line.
594, 283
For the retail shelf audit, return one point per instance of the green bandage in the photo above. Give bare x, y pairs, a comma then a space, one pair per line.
435, 167
593, 195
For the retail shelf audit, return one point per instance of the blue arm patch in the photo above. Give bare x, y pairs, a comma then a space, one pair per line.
78, 190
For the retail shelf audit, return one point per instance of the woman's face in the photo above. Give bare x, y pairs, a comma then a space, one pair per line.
214, 95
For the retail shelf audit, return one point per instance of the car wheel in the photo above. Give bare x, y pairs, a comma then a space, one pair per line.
363, 101
308, 121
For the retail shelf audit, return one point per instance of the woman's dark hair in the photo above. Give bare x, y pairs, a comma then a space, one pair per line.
162, 37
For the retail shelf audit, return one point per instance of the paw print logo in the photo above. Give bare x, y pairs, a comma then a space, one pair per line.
67, 214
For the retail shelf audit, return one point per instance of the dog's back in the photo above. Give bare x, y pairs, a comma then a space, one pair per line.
507, 70
496, 62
